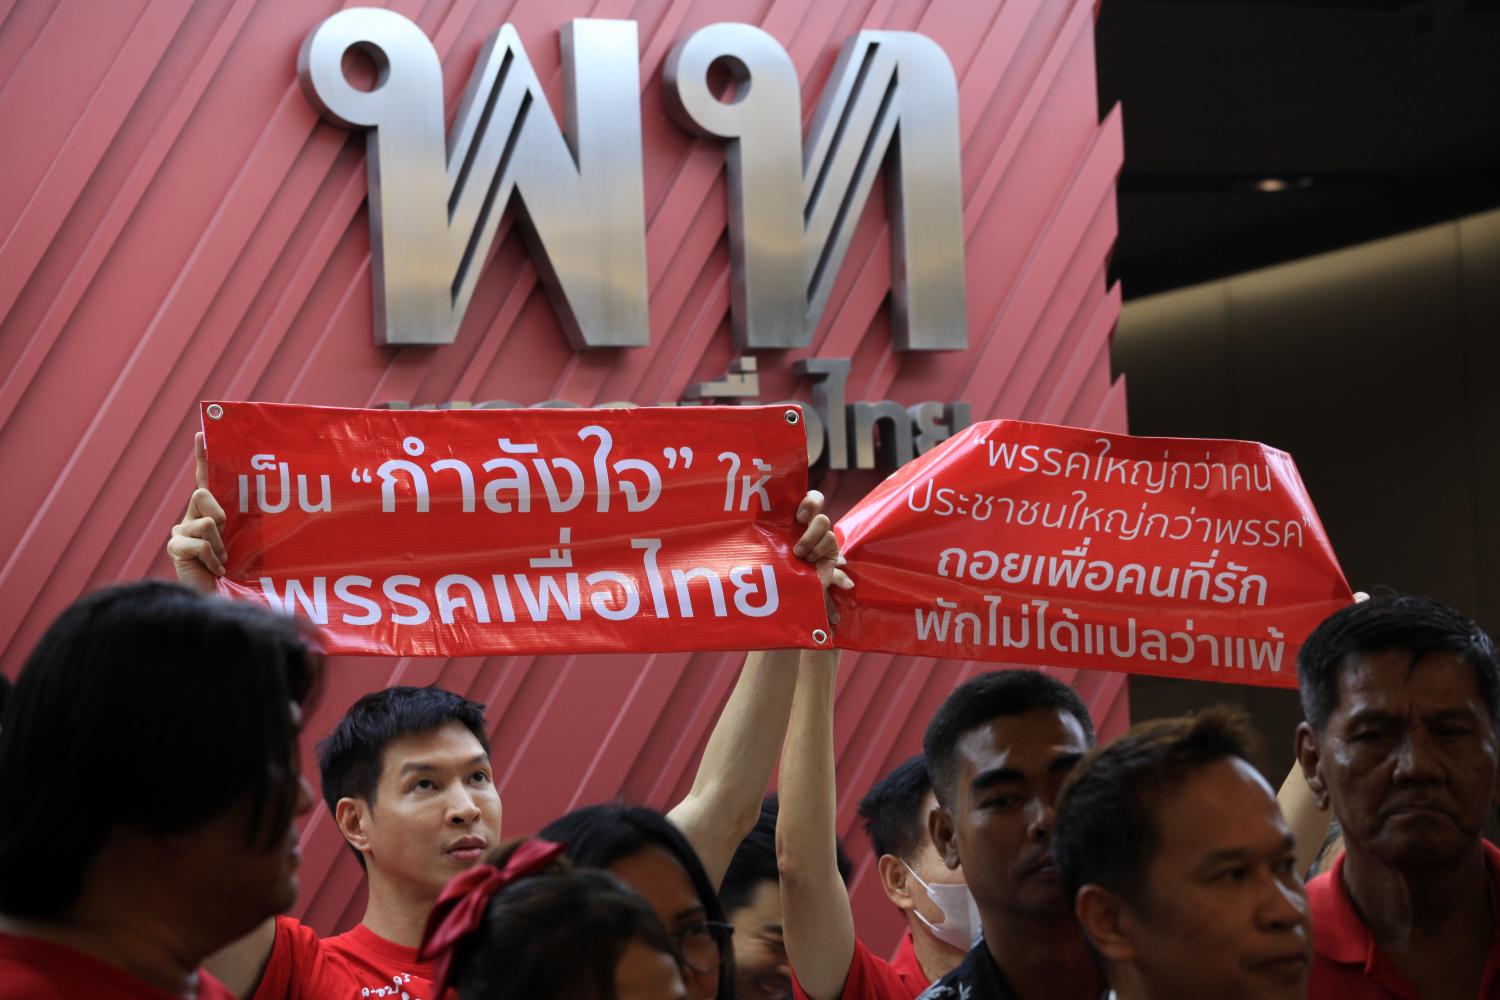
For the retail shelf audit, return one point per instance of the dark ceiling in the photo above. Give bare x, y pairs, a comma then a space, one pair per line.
1370, 117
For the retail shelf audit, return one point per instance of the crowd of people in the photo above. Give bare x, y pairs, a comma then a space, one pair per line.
148, 845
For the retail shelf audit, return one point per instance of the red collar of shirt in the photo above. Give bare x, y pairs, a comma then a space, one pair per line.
904, 963
365, 941
1339, 934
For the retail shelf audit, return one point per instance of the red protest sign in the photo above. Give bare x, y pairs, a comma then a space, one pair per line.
467, 532
1020, 542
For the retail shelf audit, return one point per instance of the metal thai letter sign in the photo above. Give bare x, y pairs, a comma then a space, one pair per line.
435, 210
436, 204
794, 207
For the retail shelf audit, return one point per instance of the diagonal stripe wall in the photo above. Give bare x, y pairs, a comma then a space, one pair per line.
177, 224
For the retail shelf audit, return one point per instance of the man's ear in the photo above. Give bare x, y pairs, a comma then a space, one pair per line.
1106, 922
1311, 760
894, 879
353, 819
940, 829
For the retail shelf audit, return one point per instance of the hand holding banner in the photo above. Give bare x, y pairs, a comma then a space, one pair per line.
471, 532
1020, 542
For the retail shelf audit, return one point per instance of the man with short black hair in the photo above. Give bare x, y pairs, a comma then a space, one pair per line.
998, 751
1401, 696
827, 960
1179, 865
406, 774
148, 775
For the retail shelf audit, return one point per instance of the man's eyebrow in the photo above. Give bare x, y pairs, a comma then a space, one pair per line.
995, 776
1454, 714
1215, 858
1368, 715
698, 911
1064, 763
415, 766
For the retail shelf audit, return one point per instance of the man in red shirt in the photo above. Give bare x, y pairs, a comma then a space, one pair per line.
1182, 872
1402, 697
826, 958
149, 778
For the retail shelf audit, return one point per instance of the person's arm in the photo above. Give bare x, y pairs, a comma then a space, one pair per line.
817, 922
195, 548
1308, 823
240, 965
724, 803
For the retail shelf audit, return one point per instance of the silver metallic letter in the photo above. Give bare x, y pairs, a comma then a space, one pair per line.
435, 212
892, 97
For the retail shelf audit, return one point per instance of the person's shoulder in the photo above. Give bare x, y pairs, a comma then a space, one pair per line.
953, 985
19, 980
874, 978
943, 989
294, 934
34, 969
302, 964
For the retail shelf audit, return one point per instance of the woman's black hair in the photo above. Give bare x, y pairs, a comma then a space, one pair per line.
598, 836
162, 708
559, 934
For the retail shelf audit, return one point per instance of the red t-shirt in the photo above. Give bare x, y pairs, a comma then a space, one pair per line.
1346, 965
872, 978
353, 966
31, 969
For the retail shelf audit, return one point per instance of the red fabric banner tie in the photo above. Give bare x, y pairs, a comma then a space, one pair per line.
473, 532
1028, 543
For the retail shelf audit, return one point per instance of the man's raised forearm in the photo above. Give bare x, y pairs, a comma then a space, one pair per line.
817, 922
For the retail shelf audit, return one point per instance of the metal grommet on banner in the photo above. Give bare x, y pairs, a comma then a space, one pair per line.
820, 637
793, 416
215, 411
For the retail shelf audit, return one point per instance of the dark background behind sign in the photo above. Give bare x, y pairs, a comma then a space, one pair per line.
1373, 365
176, 224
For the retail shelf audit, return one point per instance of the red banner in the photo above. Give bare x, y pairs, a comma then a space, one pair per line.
467, 532
1027, 543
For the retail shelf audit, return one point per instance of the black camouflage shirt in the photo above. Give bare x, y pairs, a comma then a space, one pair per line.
976, 978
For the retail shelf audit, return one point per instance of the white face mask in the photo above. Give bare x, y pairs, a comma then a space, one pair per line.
960, 927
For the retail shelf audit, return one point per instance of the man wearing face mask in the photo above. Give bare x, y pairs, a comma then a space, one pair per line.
827, 960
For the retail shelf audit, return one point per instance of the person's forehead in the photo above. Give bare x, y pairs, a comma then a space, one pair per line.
1221, 807
1393, 679
659, 878
763, 909
449, 745
1028, 739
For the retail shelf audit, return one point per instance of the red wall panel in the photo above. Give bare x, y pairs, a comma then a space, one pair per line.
176, 223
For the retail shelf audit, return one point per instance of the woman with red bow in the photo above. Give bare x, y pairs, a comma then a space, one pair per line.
527, 924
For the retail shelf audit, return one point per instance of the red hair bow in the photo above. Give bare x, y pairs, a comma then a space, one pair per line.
461, 906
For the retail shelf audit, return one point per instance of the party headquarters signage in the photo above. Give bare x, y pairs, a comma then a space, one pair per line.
436, 200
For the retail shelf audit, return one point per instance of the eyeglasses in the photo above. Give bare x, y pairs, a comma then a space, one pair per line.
701, 945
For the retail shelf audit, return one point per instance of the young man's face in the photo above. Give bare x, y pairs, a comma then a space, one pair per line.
435, 811
1408, 758
1000, 825
1223, 913
760, 962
